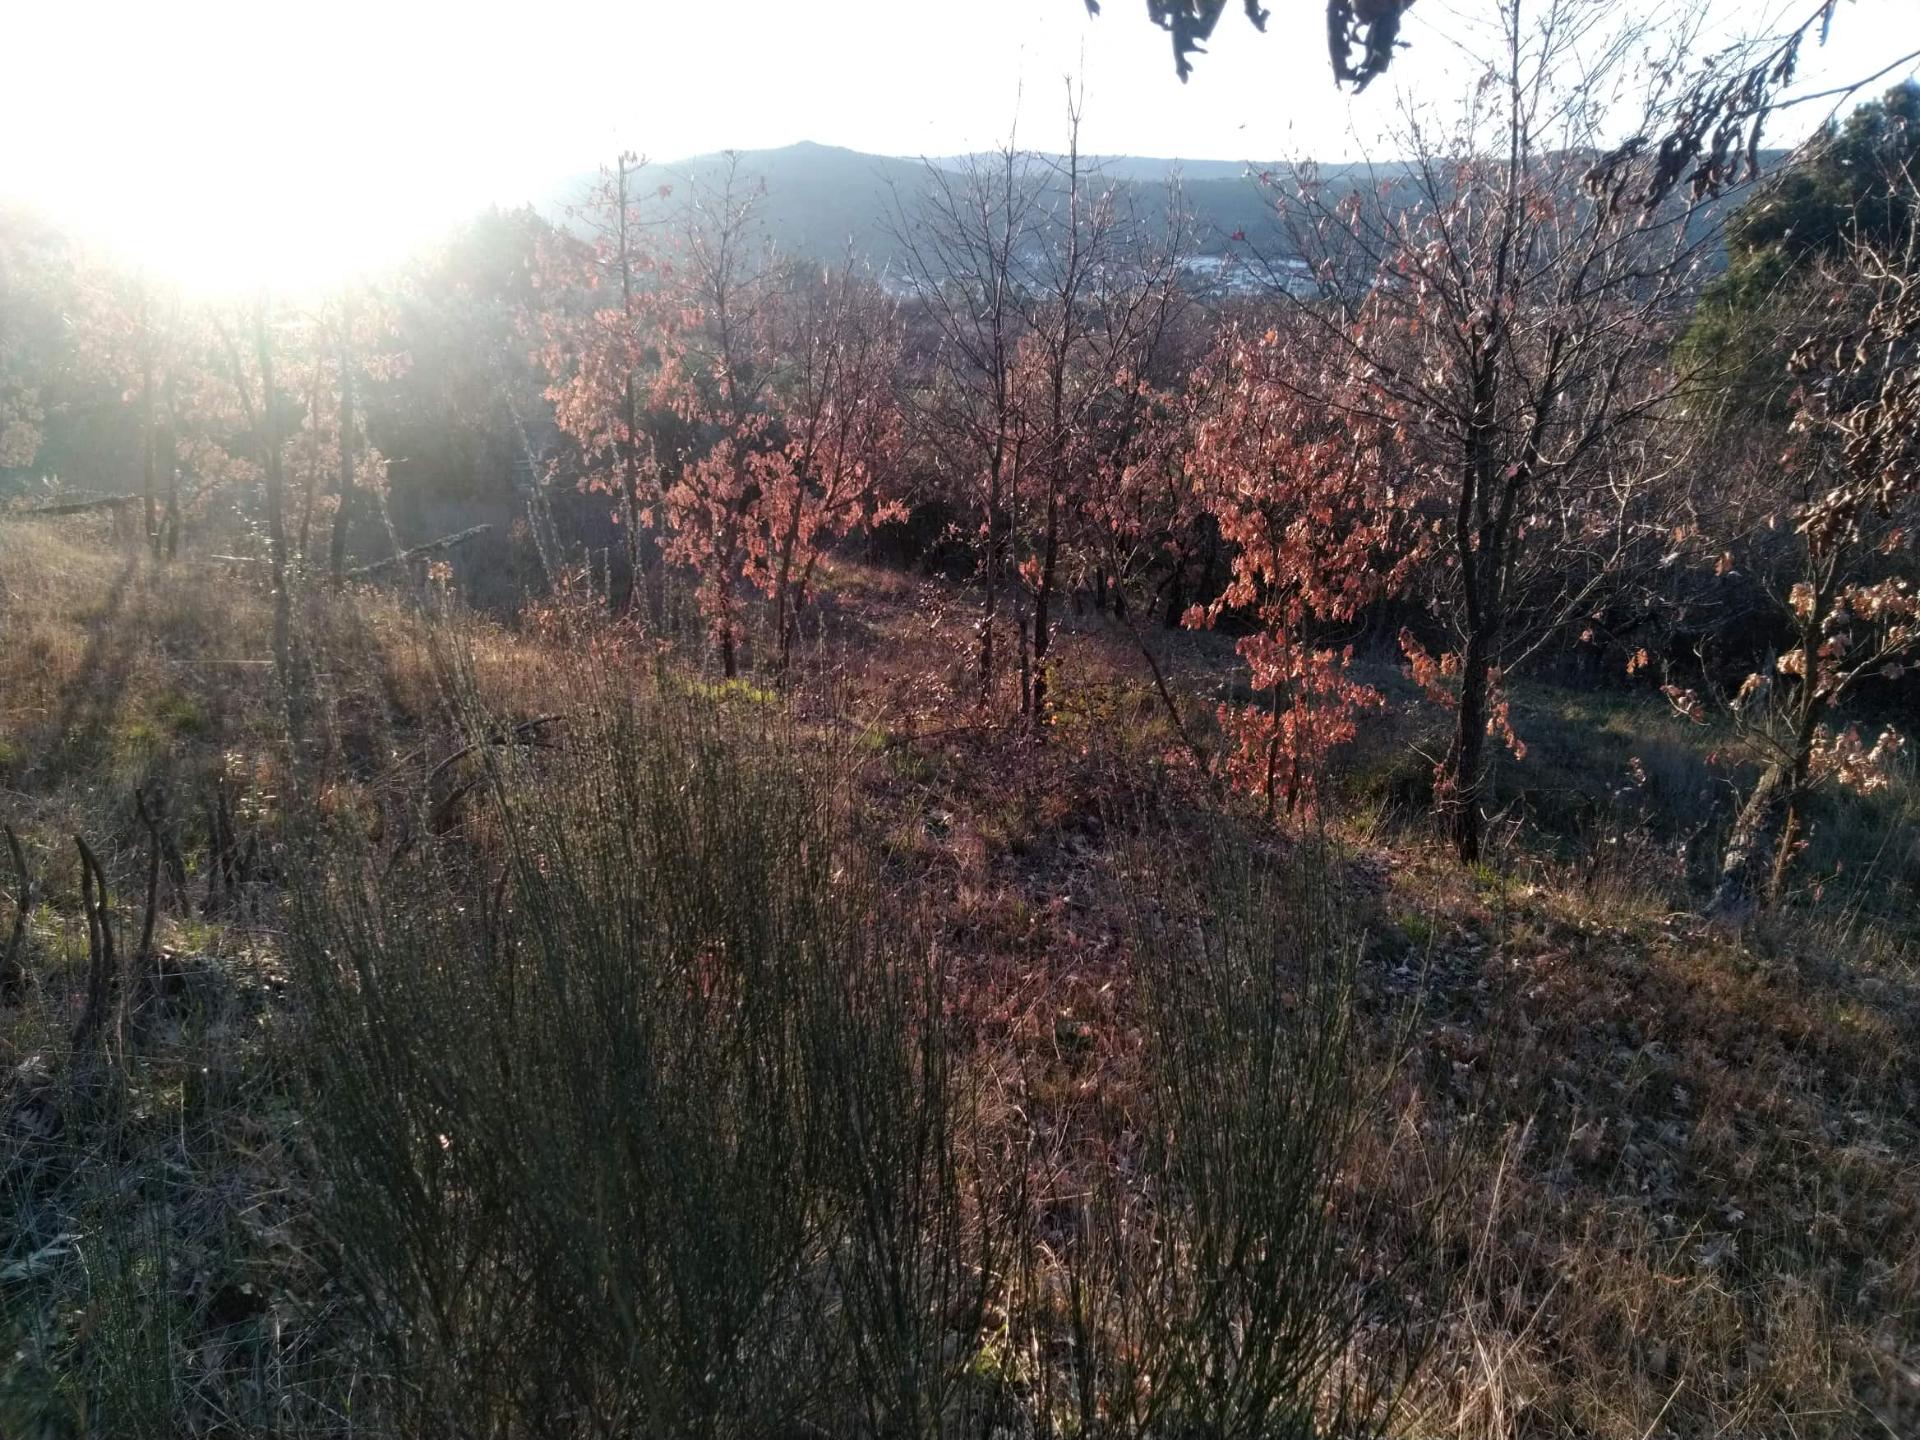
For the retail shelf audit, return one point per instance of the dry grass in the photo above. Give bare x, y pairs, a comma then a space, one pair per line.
1697, 1213
1693, 1211
152, 1268
1705, 1214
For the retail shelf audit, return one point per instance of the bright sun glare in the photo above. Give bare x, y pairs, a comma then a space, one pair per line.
225, 145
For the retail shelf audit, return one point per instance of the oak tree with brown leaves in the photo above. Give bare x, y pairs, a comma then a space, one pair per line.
1511, 332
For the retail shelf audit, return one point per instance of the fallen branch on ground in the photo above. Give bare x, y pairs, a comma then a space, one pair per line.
72, 507
431, 547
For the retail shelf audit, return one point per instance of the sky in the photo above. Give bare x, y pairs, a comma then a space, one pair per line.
226, 144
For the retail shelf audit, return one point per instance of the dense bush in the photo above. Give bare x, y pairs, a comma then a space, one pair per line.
634, 1113
635, 1118
1208, 1292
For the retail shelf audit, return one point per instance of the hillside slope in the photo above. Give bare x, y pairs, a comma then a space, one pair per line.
1690, 1207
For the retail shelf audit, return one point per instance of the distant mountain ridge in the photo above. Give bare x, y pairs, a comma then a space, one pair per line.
820, 201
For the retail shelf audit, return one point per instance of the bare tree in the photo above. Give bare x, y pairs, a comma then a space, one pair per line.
1047, 293
1105, 286
600, 356
837, 421
719, 336
962, 242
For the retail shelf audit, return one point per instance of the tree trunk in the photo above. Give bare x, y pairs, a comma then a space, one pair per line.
343, 513
622, 598
1813, 707
1751, 848
173, 510
992, 577
785, 609
1023, 638
170, 458
1479, 539
1176, 595
1792, 834
782, 623
271, 459
1042, 612
291, 682
1463, 770
1273, 754
311, 490
630, 416
147, 457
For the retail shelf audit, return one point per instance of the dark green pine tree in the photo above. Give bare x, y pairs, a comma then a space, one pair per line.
1856, 184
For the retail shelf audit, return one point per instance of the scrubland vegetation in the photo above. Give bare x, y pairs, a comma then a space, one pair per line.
628, 835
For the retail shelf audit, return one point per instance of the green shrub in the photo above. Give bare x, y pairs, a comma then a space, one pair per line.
631, 1116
